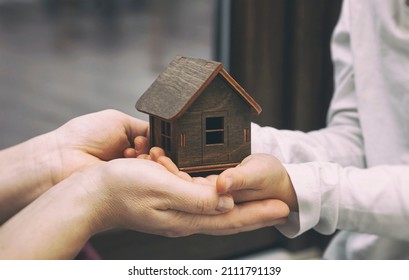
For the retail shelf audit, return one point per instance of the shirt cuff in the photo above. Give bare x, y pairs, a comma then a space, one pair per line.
306, 186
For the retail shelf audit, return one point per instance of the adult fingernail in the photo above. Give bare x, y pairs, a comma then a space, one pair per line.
225, 203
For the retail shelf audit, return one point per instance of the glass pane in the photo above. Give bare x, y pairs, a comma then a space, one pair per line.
214, 123
165, 128
162, 128
165, 143
167, 125
216, 137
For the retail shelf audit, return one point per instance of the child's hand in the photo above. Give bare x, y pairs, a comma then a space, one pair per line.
259, 176
140, 150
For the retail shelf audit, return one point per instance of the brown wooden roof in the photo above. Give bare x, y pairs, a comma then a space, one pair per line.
181, 83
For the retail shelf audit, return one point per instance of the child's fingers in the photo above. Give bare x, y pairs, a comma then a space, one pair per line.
171, 167
202, 181
144, 156
184, 176
141, 145
129, 153
156, 153
168, 164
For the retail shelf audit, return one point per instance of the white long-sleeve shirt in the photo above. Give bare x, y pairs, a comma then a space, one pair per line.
354, 174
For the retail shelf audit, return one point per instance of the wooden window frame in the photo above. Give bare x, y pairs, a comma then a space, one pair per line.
166, 135
215, 130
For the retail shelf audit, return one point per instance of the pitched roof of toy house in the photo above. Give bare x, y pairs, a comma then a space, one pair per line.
181, 83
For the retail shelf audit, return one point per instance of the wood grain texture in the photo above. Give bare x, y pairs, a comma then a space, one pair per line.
176, 87
280, 53
181, 83
209, 168
218, 99
187, 94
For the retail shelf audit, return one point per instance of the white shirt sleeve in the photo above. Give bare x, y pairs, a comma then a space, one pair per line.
334, 188
372, 200
326, 167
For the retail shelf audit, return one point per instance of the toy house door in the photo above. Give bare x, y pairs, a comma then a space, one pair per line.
215, 138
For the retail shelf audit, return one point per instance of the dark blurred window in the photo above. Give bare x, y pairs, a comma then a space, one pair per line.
64, 58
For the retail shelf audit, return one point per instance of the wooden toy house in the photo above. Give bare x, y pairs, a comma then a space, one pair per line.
199, 115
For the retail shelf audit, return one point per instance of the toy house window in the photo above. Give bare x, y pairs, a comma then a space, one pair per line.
165, 135
214, 130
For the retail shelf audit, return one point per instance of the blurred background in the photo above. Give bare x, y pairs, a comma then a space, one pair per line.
63, 58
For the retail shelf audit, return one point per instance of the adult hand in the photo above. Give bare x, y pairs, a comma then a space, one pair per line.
124, 193
93, 138
31, 168
127, 193
143, 195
